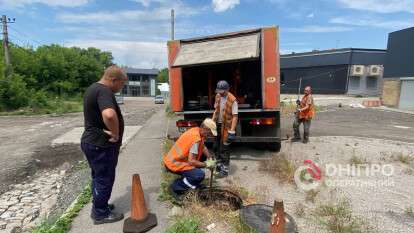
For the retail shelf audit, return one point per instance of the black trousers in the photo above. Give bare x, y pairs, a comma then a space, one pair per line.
102, 162
306, 128
222, 151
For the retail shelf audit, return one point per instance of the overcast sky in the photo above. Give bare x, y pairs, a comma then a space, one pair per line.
136, 31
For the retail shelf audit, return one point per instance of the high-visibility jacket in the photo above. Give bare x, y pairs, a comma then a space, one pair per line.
227, 114
310, 112
176, 159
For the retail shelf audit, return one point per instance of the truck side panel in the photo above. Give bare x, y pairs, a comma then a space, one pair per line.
175, 79
270, 68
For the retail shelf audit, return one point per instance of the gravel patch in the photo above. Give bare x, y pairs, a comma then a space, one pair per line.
374, 197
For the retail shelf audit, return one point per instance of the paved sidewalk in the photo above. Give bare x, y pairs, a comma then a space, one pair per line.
143, 156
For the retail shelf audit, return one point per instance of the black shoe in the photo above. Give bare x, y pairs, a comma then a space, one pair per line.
222, 171
112, 217
295, 139
305, 141
110, 207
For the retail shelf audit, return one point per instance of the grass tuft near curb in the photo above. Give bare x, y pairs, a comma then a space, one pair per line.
64, 222
186, 225
338, 218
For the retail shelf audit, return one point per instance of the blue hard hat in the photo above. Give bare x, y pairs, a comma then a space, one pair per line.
223, 86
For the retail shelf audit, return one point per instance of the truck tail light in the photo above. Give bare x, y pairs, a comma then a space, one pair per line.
184, 123
263, 121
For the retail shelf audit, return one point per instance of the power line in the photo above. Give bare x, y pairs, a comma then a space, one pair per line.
26, 36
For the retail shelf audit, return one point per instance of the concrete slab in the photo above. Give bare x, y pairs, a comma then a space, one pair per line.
142, 155
74, 135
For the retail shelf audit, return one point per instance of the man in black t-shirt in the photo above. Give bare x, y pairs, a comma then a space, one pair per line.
101, 140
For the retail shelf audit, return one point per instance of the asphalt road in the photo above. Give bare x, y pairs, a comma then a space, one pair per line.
369, 122
25, 140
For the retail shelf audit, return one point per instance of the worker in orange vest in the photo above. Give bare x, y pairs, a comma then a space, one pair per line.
226, 116
184, 158
304, 114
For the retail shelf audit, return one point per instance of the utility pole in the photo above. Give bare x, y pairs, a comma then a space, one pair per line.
4, 20
172, 24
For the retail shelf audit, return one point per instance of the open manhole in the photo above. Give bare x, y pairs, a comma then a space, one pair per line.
258, 217
218, 198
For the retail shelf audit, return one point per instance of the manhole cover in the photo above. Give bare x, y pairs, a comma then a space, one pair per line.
258, 217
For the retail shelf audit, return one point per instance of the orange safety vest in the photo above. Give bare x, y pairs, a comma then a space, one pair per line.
310, 112
227, 114
177, 158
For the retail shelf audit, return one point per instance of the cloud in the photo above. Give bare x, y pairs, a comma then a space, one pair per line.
140, 54
147, 3
317, 29
311, 15
380, 6
8, 4
373, 22
162, 13
224, 5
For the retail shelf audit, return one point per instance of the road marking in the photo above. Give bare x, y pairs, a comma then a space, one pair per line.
401, 127
73, 136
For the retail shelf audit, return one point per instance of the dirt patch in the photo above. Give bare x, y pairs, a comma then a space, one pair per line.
219, 199
54, 156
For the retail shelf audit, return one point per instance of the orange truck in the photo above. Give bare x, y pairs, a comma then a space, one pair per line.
249, 61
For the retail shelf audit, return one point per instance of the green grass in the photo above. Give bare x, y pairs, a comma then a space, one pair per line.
403, 158
280, 166
63, 224
169, 112
186, 225
355, 160
166, 177
54, 106
319, 108
410, 212
338, 218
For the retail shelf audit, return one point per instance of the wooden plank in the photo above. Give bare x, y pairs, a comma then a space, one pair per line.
237, 48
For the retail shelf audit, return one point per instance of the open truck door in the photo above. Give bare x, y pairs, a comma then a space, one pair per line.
248, 61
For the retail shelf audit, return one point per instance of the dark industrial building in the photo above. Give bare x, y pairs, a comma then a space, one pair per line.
141, 82
338, 71
398, 88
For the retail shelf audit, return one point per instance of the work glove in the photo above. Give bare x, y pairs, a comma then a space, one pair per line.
211, 163
231, 136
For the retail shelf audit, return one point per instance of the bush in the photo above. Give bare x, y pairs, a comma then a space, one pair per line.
13, 92
38, 100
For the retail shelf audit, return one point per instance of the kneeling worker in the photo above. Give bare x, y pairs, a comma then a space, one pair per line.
184, 157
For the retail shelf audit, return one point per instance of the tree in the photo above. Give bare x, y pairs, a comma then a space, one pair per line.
49, 71
163, 76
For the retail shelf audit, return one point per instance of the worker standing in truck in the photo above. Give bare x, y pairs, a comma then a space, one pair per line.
226, 116
304, 114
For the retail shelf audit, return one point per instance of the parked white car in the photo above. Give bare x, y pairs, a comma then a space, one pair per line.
159, 99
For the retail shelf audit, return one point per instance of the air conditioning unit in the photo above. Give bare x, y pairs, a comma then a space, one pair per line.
375, 70
357, 70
